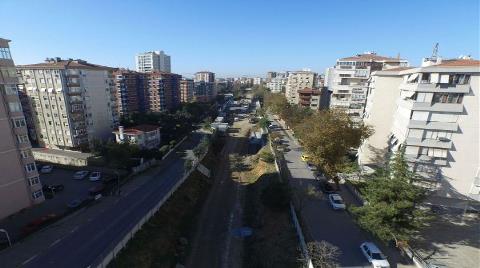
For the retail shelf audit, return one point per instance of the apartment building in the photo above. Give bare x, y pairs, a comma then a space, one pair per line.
437, 119
20, 185
270, 76
152, 61
187, 90
163, 91
205, 76
297, 81
131, 91
314, 98
277, 84
257, 81
348, 80
73, 101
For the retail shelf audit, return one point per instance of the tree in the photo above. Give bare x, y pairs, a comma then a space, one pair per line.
323, 254
328, 136
392, 211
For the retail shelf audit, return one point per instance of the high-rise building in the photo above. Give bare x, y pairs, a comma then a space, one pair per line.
277, 84
20, 185
163, 91
73, 102
187, 90
297, 81
205, 76
270, 76
257, 80
153, 61
434, 112
131, 89
348, 80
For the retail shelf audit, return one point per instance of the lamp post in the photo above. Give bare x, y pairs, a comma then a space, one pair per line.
8, 237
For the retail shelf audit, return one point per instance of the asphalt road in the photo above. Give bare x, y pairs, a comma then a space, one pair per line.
88, 244
322, 222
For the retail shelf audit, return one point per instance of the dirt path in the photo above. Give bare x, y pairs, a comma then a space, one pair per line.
213, 245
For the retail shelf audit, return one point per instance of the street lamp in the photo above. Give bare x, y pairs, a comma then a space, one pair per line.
8, 237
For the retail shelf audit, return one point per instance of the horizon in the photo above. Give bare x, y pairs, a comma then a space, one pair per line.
238, 39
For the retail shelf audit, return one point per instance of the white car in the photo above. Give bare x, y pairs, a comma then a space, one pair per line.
95, 176
46, 169
374, 255
80, 175
336, 201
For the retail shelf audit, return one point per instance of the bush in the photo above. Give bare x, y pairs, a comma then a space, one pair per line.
267, 157
276, 196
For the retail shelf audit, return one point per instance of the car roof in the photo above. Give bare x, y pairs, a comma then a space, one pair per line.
373, 248
336, 196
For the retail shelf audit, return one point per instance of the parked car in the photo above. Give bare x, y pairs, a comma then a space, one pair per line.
46, 169
95, 176
53, 188
336, 201
374, 255
80, 175
311, 166
75, 203
96, 189
326, 187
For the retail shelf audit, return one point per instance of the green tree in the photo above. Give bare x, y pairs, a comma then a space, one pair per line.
392, 211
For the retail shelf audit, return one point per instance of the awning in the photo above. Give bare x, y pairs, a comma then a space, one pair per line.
407, 94
412, 77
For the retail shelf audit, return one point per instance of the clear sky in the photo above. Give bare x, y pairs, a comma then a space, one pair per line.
238, 37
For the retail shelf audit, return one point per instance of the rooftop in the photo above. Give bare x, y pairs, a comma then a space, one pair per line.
139, 129
370, 57
459, 63
58, 63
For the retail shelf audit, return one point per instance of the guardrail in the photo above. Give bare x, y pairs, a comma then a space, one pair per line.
105, 258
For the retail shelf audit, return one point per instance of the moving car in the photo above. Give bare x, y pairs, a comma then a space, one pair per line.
305, 157
80, 175
336, 201
326, 187
46, 169
95, 176
53, 188
374, 255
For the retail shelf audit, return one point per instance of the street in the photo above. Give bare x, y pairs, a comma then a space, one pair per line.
322, 222
88, 243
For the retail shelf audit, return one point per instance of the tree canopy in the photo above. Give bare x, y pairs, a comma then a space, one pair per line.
392, 199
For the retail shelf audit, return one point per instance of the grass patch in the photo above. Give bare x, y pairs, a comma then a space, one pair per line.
164, 240
274, 242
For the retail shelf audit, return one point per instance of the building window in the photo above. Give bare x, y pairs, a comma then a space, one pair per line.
26, 153
14, 107
438, 153
37, 194
22, 138
459, 79
10, 90
30, 167
19, 122
33, 181
5, 53
447, 98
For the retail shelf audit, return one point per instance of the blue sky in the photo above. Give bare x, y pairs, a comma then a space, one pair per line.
235, 37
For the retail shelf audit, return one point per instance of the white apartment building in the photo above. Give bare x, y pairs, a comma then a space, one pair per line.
148, 62
348, 80
436, 116
277, 84
257, 80
73, 102
297, 81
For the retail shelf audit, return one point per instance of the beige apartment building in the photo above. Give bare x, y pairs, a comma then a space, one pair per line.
299, 80
434, 111
73, 102
20, 186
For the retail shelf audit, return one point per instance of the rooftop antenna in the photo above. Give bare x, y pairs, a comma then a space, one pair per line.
435, 51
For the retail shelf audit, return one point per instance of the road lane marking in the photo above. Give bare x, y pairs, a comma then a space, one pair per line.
74, 229
55, 242
29, 260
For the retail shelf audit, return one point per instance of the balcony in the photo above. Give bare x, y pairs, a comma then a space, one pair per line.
73, 84
433, 125
426, 106
428, 87
431, 143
